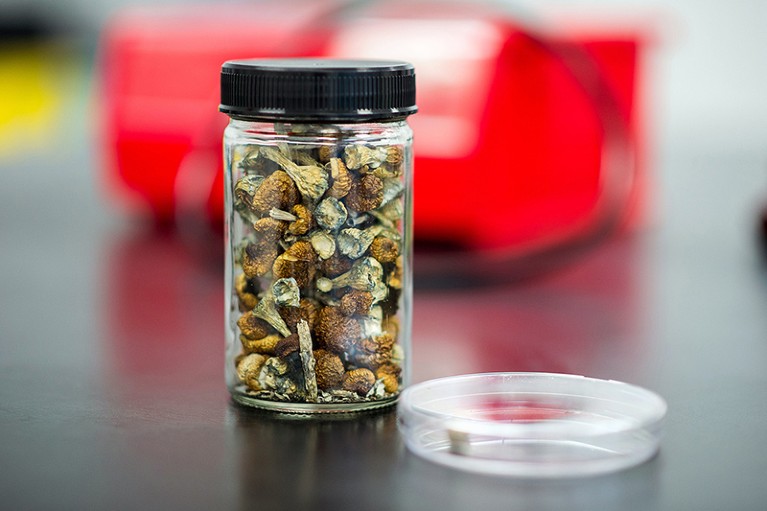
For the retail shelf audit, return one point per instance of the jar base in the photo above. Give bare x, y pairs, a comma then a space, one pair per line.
314, 409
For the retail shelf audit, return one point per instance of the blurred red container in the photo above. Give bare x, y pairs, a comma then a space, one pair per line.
532, 138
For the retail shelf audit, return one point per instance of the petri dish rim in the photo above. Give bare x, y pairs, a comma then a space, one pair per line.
636, 425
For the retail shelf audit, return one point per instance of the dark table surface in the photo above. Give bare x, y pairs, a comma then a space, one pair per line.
111, 358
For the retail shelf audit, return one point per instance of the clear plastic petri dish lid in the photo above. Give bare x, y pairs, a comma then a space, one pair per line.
538, 425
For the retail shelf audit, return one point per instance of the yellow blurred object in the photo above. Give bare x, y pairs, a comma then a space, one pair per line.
31, 95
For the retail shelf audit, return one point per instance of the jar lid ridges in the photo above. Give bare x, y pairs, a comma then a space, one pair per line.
323, 89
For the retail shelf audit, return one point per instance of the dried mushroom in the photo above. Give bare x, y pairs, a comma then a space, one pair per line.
336, 264
329, 369
265, 345
269, 230
395, 278
249, 369
286, 346
324, 285
279, 214
384, 250
358, 380
244, 191
254, 327
373, 352
298, 262
311, 180
303, 158
355, 302
330, 214
286, 293
390, 325
308, 363
392, 189
371, 324
390, 212
320, 250
365, 275
257, 259
325, 153
392, 165
303, 220
275, 376
357, 156
353, 242
276, 191
389, 368
246, 292
395, 154
366, 193
398, 354
323, 243
336, 331
254, 163
390, 381
267, 310
308, 310
342, 179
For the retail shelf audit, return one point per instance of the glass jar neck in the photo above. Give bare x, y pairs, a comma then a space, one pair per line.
310, 132
299, 126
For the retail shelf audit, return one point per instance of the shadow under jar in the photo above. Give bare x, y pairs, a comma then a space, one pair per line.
318, 166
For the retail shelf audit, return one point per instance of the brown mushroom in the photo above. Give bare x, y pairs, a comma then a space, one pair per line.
303, 222
298, 262
388, 377
366, 193
373, 352
355, 302
264, 345
277, 191
329, 370
253, 327
384, 249
286, 346
336, 331
244, 288
342, 179
358, 380
336, 265
248, 369
257, 258
307, 310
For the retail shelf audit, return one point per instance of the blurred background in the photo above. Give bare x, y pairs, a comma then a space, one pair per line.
589, 193
545, 129
568, 108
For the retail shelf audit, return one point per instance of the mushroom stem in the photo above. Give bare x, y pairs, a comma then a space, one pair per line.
311, 180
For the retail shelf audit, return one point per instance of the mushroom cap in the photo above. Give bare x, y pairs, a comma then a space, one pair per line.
358, 380
366, 193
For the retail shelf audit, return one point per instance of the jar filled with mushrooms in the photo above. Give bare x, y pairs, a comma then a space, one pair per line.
318, 167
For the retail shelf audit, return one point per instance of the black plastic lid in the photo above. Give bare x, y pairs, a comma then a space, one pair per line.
318, 89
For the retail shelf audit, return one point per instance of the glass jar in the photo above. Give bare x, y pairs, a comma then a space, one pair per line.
318, 166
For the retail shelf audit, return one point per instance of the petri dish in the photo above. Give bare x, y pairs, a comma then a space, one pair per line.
533, 425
